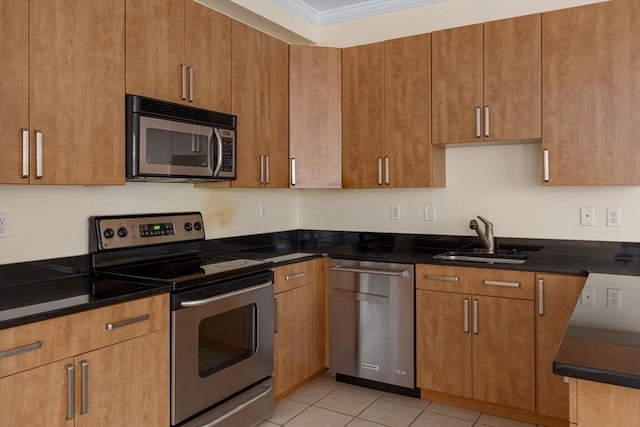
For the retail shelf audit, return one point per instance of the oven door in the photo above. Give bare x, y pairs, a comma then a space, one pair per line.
172, 148
221, 344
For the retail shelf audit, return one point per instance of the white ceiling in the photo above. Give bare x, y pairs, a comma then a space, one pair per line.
323, 12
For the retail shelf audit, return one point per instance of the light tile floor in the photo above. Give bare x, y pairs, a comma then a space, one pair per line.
325, 402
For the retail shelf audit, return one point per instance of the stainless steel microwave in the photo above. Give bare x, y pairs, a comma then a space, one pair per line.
175, 142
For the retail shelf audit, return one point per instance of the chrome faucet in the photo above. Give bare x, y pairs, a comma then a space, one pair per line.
487, 236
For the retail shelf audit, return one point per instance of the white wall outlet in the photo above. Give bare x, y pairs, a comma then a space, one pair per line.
614, 218
395, 212
4, 225
614, 298
263, 210
429, 212
588, 296
586, 217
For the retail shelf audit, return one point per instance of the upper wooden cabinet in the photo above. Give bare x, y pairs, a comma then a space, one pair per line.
179, 51
260, 99
591, 94
62, 103
386, 116
315, 117
487, 81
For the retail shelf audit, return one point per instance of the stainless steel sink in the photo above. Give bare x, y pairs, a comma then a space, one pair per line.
481, 257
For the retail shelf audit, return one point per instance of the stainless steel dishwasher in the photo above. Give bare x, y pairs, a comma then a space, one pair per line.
372, 324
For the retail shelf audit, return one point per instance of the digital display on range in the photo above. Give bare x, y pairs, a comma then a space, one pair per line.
160, 229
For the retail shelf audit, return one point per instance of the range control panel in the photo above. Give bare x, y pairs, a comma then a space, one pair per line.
128, 231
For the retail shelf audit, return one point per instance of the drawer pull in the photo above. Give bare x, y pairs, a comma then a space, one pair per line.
294, 276
20, 350
127, 322
443, 278
504, 284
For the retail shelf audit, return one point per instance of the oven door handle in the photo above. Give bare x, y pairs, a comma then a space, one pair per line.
205, 301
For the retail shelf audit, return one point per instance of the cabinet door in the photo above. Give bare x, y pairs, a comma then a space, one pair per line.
557, 297
76, 90
362, 115
503, 352
315, 116
591, 94
512, 78
407, 114
128, 383
155, 48
456, 64
37, 397
293, 338
443, 342
208, 50
319, 359
14, 87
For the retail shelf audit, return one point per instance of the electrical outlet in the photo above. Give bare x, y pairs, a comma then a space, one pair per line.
395, 212
586, 217
429, 212
587, 297
614, 298
4, 225
614, 218
263, 210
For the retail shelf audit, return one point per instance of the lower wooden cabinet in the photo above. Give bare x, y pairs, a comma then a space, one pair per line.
121, 384
598, 404
299, 340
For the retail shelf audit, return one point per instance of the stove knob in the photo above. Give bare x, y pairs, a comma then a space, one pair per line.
198, 225
122, 232
188, 226
108, 233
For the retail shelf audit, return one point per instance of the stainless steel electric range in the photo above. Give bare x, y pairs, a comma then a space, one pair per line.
222, 314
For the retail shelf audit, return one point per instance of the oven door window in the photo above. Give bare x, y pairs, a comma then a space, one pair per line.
226, 339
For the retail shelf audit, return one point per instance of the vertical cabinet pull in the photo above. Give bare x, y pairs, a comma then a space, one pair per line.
545, 161
261, 169
276, 320
386, 170
293, 171
379, 170
183, 69
84, 366
486, 120
478, 123
190, 84
267, 171
541, 297
465, 307
25, 153
475, 316
38, 154
71, 394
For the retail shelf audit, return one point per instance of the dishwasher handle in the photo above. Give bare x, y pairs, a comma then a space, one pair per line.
399, 273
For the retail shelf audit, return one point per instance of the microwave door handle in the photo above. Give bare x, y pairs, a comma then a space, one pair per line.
219, 143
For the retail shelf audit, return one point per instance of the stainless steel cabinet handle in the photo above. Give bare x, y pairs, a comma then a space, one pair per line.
38, 154
475, 316
379, 170
216, 171
541, 297
190, 84
126, 322
401, 273
294, 276
442, 278
20, 350
84, 365
261, 169
276, 320
195, 303
545, 161
71, 393
386, 170
293, 171
486, 120
465, 307
499, 283
478, 133
25, 153
183, 68
266, 167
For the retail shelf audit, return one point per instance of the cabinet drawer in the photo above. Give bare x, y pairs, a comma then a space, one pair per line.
35, 344
478, 281
292, 276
